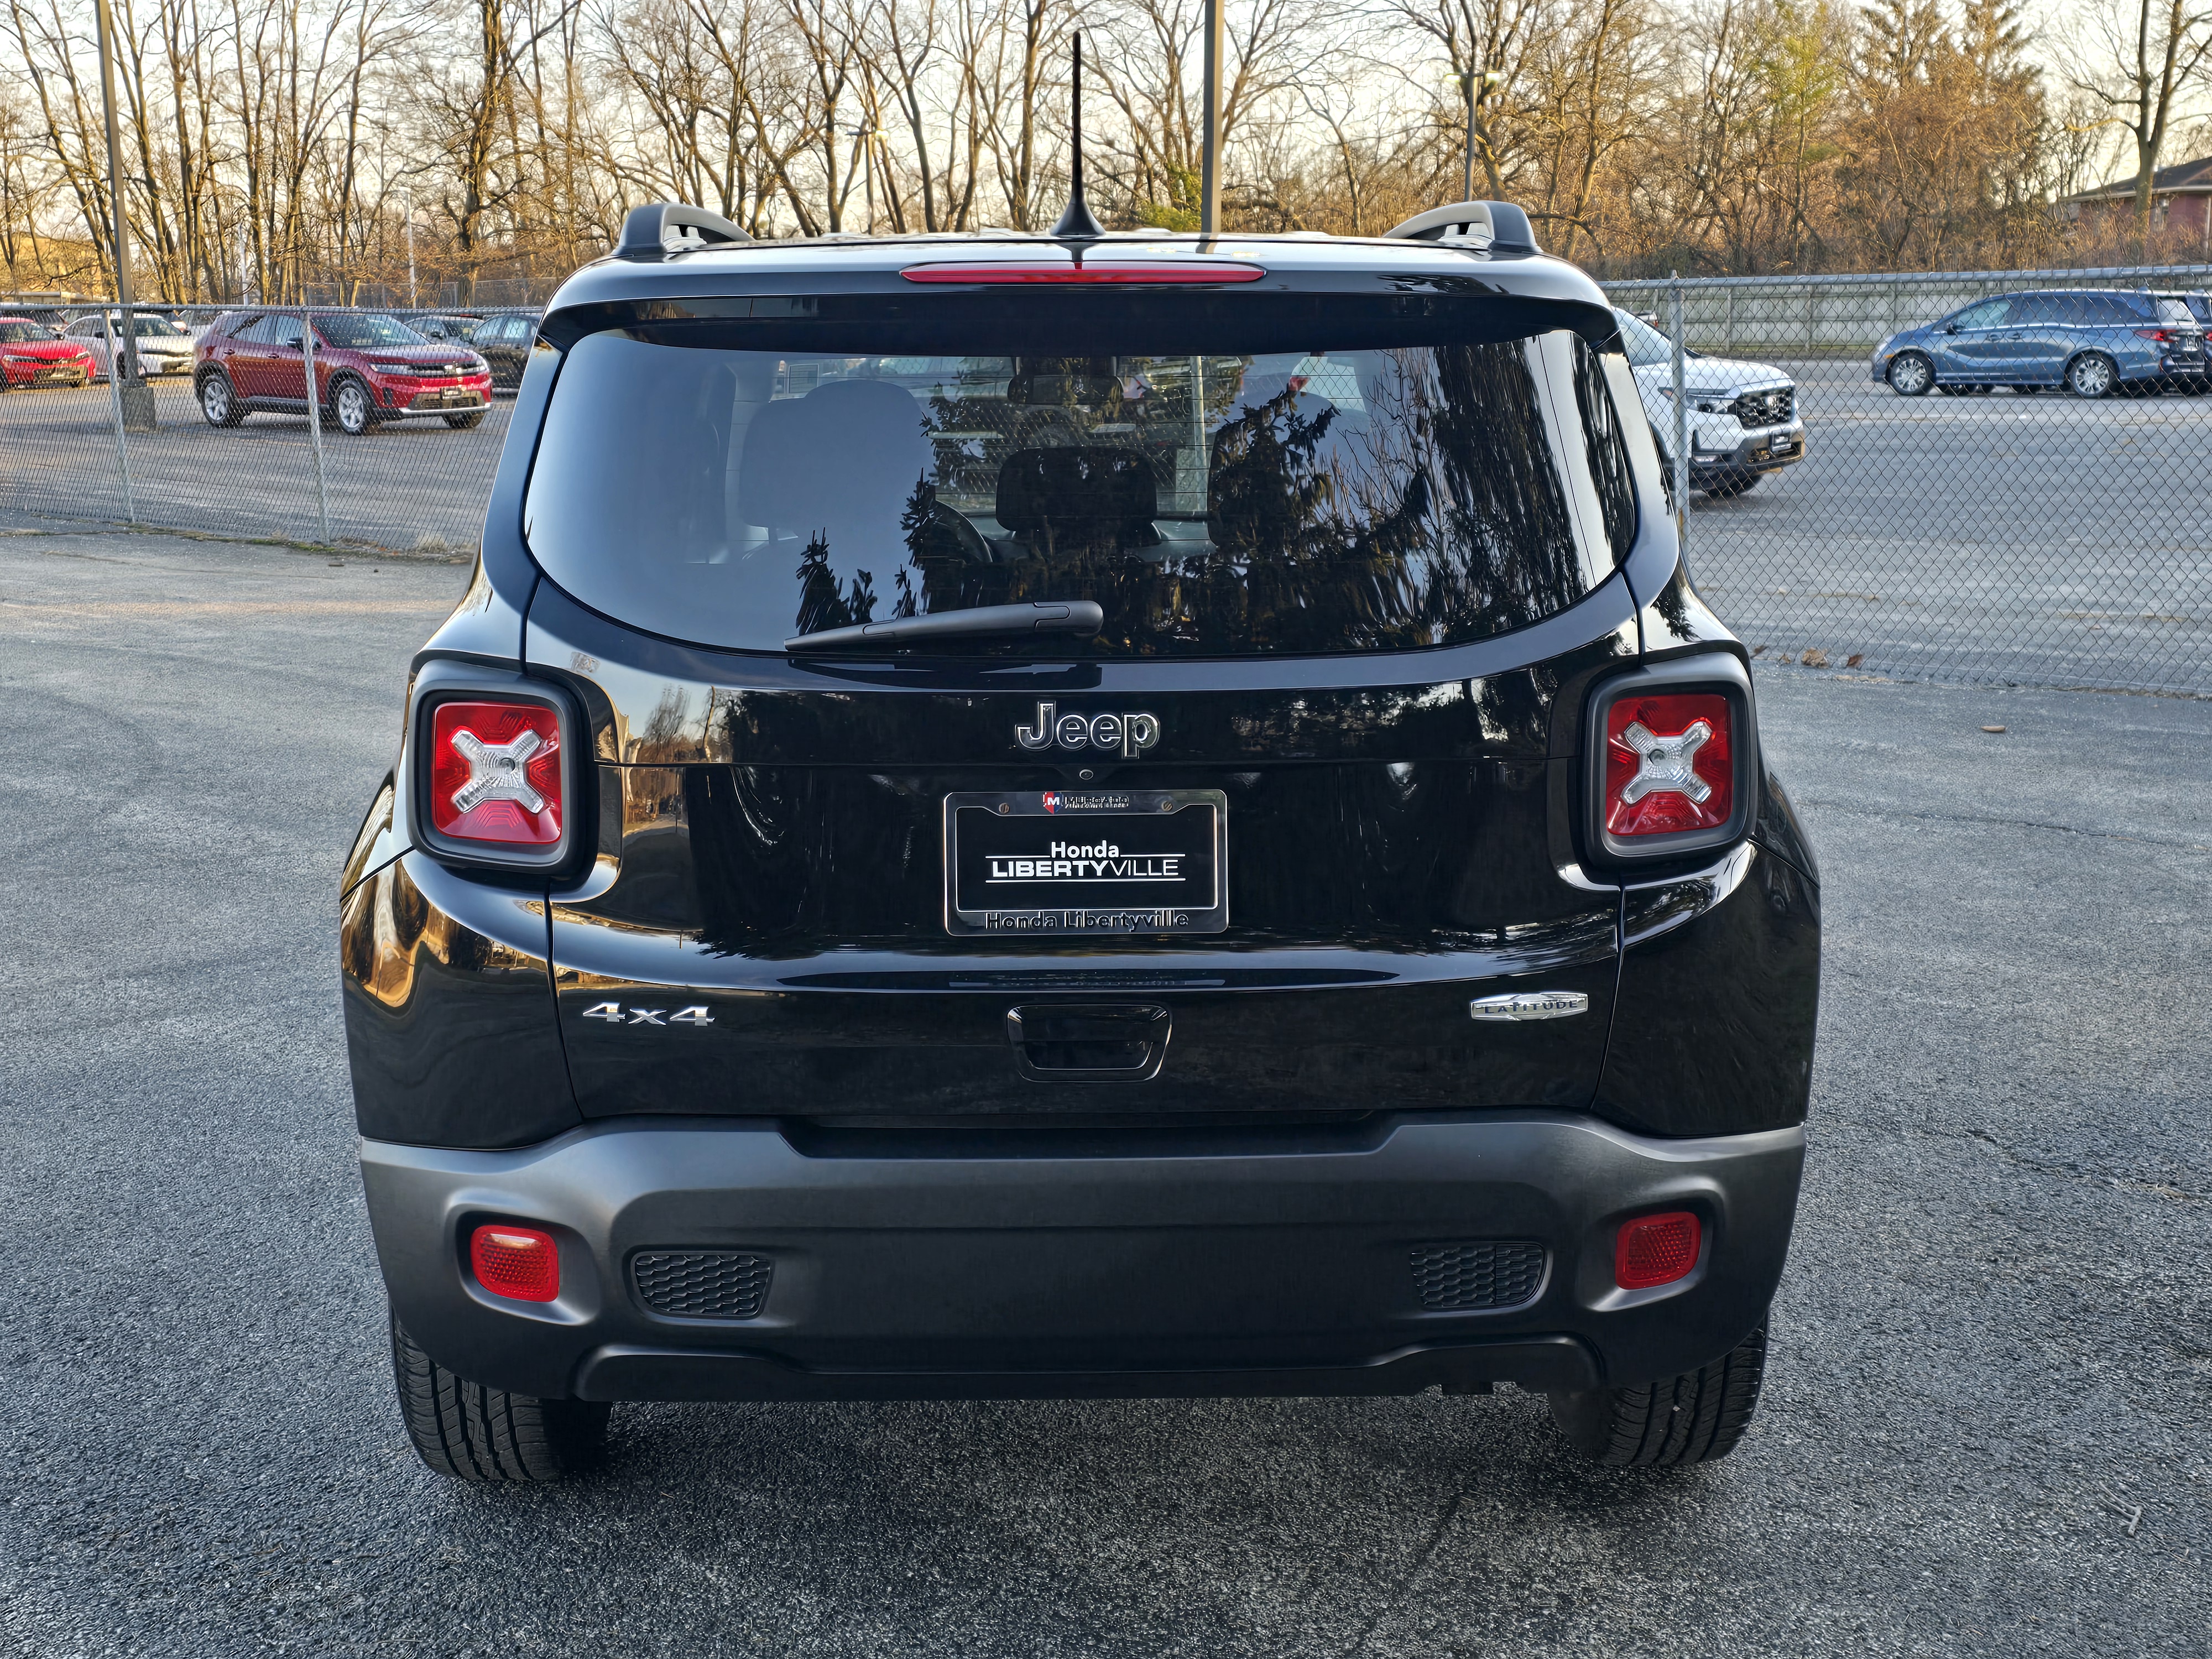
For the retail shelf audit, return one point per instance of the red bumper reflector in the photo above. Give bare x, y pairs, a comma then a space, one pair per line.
1091, 271
521, 1263
1655, 1250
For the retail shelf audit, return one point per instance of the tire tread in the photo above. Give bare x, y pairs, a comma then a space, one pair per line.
1695, 1418
467, 1431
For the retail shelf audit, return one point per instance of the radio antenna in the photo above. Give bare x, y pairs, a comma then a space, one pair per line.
1078, 222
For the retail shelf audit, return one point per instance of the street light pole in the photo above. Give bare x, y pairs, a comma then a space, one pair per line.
137, 397
1209, 176
1466, 182
1470, 82
407, 202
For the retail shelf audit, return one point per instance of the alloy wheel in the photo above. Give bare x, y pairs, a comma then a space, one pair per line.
351, 407
2091, 375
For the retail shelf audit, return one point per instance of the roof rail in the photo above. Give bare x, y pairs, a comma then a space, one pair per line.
1501, 226
645, 232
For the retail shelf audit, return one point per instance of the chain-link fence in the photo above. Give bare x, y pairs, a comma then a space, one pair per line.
1994, 477
395, 448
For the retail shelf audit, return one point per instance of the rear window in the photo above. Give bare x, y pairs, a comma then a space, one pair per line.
1227, 502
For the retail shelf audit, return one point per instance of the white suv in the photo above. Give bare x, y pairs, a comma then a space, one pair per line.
1744, 422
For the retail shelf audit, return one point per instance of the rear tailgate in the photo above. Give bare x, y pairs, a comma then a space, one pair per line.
767, 935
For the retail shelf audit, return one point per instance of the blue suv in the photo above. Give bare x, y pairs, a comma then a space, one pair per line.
2090, 341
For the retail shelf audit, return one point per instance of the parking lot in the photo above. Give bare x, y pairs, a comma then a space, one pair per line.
1984, 1432
2040, 538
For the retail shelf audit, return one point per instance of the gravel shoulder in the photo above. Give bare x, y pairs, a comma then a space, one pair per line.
1985, 1425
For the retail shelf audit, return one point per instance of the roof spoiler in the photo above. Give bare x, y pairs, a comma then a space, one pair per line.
1501, 226
645, 232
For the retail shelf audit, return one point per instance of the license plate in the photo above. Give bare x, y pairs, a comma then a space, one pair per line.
1023, 863
1781, 446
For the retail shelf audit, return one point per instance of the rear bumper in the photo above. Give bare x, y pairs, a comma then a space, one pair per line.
1062, 1263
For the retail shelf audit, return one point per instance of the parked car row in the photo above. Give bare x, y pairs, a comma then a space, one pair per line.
2092, 342
370, 367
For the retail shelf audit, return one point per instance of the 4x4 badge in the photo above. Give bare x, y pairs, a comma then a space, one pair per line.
1131, 734
612, 1013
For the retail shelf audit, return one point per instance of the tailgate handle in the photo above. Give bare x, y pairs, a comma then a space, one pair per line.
1089, 1043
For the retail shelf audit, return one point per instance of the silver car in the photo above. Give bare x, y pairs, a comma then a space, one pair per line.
163, 348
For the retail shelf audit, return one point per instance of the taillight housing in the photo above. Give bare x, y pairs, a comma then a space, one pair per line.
493, 770
522, 1264
1672, 762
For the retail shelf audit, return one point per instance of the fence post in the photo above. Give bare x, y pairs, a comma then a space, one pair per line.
115, 404
315, 417
1728, 328
1682, 424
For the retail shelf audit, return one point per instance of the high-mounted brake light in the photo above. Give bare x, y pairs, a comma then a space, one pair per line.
1655, 1250
1669, 763
495, 772
521, 1263
1131, 271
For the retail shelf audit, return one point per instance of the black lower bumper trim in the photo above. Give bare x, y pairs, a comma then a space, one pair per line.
1538, 1363
1236, 1266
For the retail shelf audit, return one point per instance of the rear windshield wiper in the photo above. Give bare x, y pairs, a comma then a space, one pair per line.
1079, 617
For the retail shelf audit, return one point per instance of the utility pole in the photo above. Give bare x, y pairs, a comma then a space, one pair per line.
407, 202
137, 397
1209, 176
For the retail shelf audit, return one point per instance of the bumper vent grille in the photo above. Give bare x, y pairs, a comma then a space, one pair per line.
702, 1283
1483, 1273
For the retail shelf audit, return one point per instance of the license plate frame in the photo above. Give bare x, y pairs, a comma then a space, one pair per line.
1135, 892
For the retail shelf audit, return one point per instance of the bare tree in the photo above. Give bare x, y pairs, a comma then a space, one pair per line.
2138, 61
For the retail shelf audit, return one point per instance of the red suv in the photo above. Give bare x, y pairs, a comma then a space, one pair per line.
368, 369
31, 354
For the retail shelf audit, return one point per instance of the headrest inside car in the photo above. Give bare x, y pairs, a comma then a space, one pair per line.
848, 450
1076, 491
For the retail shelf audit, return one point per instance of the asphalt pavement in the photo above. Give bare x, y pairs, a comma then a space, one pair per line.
412, 481
1984, 1430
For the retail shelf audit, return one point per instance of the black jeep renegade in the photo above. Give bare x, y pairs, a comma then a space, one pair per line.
1130, 816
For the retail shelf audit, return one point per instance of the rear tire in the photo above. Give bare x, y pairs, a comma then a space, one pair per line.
1694, 1417
2092, 374
470, 1432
